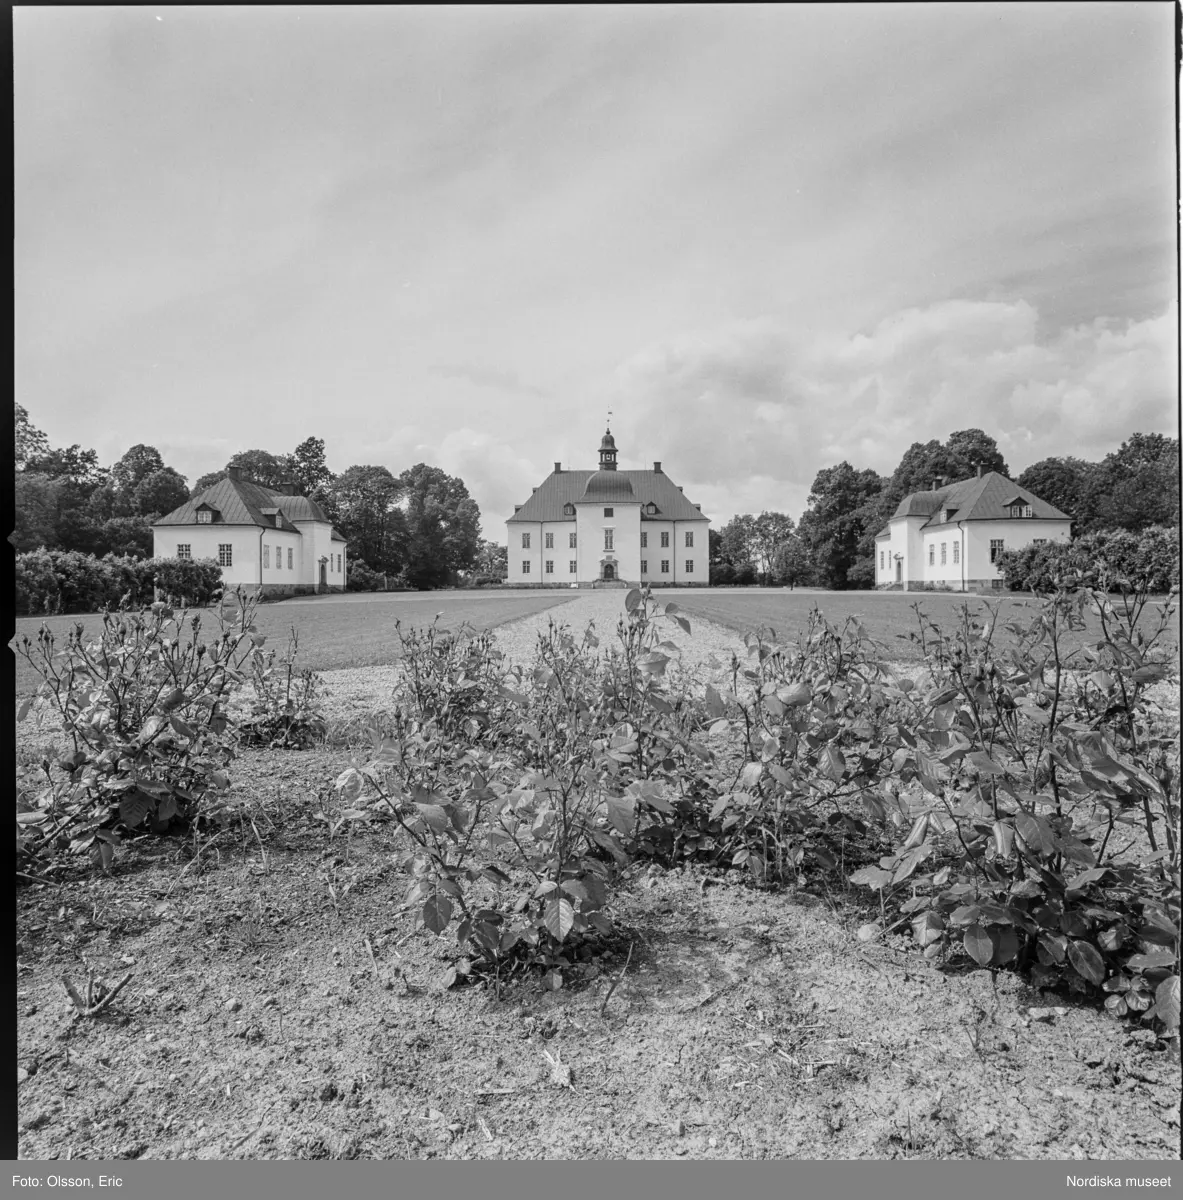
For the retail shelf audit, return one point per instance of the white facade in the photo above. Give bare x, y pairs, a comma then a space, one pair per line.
939, 539
267, 540
617, 522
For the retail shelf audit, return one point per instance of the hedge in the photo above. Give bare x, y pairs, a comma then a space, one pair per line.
1148, 560
66, 581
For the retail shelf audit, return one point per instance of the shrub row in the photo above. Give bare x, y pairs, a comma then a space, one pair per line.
65, 581
1145, 561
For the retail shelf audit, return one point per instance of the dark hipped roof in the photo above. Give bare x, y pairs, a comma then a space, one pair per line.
242, 502
569, 487
982, 498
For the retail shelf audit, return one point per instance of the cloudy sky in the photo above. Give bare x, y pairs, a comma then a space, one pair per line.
766, 239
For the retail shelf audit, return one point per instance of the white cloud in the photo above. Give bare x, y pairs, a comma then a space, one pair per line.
749, 416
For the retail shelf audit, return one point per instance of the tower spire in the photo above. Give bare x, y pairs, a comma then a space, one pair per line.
608, 451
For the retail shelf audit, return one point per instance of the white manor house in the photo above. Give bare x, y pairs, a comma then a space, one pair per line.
266, 540
951, 536
608, 528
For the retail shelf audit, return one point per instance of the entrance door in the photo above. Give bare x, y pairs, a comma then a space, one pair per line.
324, 579
609, 571
899, 570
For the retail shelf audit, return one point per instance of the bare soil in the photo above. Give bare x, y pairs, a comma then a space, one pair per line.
258, 1024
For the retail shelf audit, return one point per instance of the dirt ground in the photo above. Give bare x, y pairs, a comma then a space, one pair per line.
257, 1023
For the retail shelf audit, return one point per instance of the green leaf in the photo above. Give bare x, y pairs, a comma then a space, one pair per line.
182, 727
984, 763
832, 763
1006, 944
978, 945
1155, 958
576, 890
796, 695
1086, 961
26, 704
134, 807
435, 816
714, 702
437, 912
872, 877
927, 928
632, 600
559, 916
1166, 1002
620, 814
349, 784
1036, 834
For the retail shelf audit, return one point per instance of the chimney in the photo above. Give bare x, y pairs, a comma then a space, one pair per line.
657, 468
234, 473
558, 468
979, 470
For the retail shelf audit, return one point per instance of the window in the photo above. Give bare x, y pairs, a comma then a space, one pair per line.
568, 510
278, 558
526, 564
1020, 510
550, 541
665, 541
944, 552
882, 556
956, 552
996, 583
689, 541
932, 553
266, 556
644, 566
608, 538
525, 541
665, 566
289, 558
571, 567
185, 550
550, 566
204, 516
609, 512
644, 541
996, 546
690, 566
570, 541
225, 554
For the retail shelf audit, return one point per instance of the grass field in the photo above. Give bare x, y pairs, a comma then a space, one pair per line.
348, 631
358, 630
888, 617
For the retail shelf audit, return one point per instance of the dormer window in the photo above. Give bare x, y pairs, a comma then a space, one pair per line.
568, 510
204, 516
1020, 510
651, 509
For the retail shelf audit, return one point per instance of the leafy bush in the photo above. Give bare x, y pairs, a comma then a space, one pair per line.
1146, 561
147, 707
186, 581
284, 709
66, 581
1012, 771
362, 579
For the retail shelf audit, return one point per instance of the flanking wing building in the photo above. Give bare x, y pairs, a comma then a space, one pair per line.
951, 537
608, 528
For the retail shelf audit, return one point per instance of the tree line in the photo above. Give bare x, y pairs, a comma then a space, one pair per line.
419, 528
832, 545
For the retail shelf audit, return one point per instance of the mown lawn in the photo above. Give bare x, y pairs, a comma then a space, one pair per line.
888, 617
348, 631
